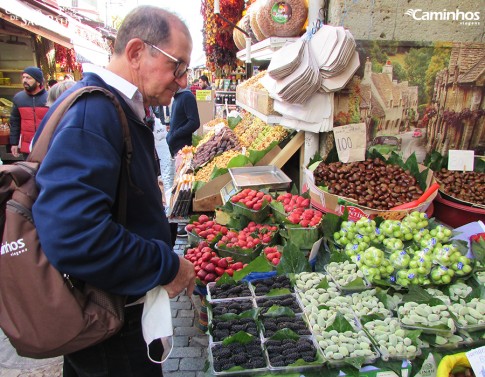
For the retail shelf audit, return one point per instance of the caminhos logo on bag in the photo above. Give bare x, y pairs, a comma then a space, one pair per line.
464, 18
14, 248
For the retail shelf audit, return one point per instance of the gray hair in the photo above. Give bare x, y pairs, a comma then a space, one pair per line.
56, 90
149, 23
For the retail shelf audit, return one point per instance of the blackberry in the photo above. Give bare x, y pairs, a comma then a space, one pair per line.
276, 358
258, 362
308, 358
226, 364
239, 359
288, 351
220, 334
278, 363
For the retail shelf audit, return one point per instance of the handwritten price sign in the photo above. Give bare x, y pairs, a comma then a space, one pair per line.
350, 141
461, 160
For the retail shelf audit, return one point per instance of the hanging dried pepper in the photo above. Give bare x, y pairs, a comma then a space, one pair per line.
219, 45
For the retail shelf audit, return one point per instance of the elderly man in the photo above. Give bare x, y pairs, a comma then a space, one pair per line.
29, 108
78, 182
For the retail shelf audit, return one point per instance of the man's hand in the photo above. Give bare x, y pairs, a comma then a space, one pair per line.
185, 279
15, 150
167, 127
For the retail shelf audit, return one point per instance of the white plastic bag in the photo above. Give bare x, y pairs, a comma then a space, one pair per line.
159, 131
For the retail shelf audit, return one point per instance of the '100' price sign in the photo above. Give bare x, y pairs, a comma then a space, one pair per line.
350, 141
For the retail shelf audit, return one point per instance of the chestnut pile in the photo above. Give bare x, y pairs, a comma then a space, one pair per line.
468, 186
372, 183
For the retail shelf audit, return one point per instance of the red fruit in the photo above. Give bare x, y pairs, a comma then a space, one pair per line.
219, 271
275, 261
206, 256
230, 271
257, 206
201, 274
304, 223
222, 263
237, 266
305, 203
190, 227
210, 277
209, 267
215, 260
203, 218
270, 256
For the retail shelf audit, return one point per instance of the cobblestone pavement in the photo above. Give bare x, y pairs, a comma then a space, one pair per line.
190, 344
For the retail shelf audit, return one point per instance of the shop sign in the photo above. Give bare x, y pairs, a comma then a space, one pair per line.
354, 213
457, 15
203, 95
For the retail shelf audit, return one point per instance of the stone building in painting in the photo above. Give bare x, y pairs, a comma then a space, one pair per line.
388, 106
456, 120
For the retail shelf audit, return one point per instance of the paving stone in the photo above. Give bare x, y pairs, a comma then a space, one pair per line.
181, 374
192, 363
181, 305
186, 352
189, 331
185, 322
180, 341
199, 341
171, 364
185, 313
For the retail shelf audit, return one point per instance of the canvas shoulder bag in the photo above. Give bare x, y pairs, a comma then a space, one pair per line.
43, 312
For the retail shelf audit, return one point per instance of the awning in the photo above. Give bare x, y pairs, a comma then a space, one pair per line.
61, 29
31, 19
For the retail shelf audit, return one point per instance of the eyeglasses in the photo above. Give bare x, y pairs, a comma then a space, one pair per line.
181, 67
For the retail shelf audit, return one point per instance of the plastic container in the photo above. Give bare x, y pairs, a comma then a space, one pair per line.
256, 216
298, 318
244, 372
304, 238
193, 239
289, 301
425, 329
236, 306
213, 284
254, 284
308, 366
239, 256
456, 214
349, 289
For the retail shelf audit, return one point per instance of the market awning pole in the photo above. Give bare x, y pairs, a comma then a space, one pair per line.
249, 65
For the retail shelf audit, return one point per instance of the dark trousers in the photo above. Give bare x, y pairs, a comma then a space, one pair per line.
122, 355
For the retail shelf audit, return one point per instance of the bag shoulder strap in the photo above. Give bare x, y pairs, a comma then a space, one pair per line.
41, 145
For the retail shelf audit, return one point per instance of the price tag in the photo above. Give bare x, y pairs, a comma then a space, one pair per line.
476, 358
350, 141
461, 160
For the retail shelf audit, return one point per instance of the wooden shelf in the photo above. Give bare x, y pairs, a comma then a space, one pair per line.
8, 70
270, 119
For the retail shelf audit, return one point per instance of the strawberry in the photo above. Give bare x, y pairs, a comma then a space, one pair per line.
237, 266
201, 274
222, 263
220, 271
209, 267
230, 271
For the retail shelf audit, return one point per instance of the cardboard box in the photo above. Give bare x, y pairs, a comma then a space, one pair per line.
336, 204
208, 197
257, 99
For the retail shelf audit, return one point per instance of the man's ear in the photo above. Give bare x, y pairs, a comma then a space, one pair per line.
134, 50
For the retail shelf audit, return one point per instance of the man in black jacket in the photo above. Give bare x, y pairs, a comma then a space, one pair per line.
184, 121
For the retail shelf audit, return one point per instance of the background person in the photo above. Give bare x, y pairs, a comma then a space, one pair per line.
204, 83
56, 90
29, 108
184, 121
78, 182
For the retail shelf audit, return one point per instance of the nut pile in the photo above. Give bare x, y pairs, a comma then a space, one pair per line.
372, 183
468, 186
223, 141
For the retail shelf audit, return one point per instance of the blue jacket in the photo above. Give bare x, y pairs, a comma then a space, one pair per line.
184, 121
78, 180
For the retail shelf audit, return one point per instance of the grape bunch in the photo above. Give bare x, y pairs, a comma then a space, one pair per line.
405, 252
